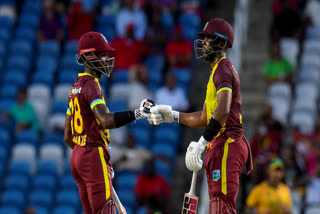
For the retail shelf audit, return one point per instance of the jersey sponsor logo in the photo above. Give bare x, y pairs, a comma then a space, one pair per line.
76, 90
216, 175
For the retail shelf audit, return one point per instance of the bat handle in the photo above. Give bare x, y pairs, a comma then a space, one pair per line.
120, 207
192, 191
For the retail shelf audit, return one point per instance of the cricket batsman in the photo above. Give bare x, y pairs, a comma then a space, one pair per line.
87, 122
227, 148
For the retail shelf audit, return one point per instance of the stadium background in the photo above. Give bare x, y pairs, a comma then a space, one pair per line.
280, 117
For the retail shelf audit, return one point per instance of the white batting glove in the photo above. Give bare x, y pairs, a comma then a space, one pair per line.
193, 155
144, 109
166, 112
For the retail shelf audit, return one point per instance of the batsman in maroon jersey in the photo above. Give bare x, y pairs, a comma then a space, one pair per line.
227, 149
87, 122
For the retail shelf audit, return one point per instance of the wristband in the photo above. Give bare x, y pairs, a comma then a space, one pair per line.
175, 115
212, 130
123, 118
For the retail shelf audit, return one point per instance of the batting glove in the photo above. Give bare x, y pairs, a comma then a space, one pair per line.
144, 109
167, 115
193, 155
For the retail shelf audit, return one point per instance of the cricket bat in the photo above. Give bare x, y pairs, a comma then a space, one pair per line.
190, 201
120, 207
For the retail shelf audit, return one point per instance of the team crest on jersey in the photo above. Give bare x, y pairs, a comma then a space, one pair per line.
216, 175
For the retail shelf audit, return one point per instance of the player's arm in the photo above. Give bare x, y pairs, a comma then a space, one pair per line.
67, 132
194, 119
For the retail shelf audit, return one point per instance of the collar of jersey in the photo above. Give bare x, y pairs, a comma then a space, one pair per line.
86, 74
216, 65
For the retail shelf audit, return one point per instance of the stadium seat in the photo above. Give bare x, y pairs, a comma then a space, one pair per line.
289, 49
41, 210
67, 76
57, 121
4, 35
43, 78
163, 168
9, 91
5, 104
68, 197
22, 47
44, 182
312, 32
13, 198
29, 19
312, 210
308, 90
64, 210
119, 91
53, 137
167, 21
167, 135
42, 109
107, 20
68, 61
68, 183
142, 210
126, 180
120, 76
49, 48
28, 136
59, 107
183, 75
281, 90
127, 197
41, 198
9, 210
118, 135
5, 137
32, 7
47, 167
142, 136
25, 33
20, 167
61, 92
54, 153
71, 48
6, 22
16, 77
309, 75
39, 91
164, 149
45, 63
17, 182
3, 154
301, 105
26, 153
310, 60
304, 121
116, 105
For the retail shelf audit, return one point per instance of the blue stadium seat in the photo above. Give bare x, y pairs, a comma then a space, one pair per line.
49, 48
127, 197
16, 77
25, 33
32, 7
53, 137
3, 47
59, 107
3, 153
167, 135
68, 61
120, 76
20, 167
5, 137
29, 19
183, 75
107, 20
47, 167
167, 21
164, 149
41, 210
68, 182
155, 65
126, 180
71, 48
4, 34
67, 76
17, 182
28, 136
41, 198
9, 91
189, 19
5, 104
68, 197
19, 62
64, 210
142, 136
13, 198
163, 168
44, 182
9, 210
6, 22
117, 105
22, 47
49, 63
43, 78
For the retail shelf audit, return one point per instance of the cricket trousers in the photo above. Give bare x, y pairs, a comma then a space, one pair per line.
90, 169
224, 162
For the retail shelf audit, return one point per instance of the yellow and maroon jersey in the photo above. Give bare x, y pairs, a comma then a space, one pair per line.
84, 95
225, 77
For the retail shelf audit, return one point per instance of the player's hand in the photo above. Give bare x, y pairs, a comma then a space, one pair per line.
166, 112
193, 156
144, 109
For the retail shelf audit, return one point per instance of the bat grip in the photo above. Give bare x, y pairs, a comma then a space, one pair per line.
192, 191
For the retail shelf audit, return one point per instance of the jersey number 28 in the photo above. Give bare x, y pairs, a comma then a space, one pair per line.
77, 122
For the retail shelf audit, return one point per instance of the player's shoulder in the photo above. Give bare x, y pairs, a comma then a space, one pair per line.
225, 66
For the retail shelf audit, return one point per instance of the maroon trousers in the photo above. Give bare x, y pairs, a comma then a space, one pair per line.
90, 169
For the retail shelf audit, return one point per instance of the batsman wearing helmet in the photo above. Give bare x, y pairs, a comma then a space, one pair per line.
227, 149
87, 122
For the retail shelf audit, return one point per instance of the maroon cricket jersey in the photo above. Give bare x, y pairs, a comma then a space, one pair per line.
225, 77
84, 95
